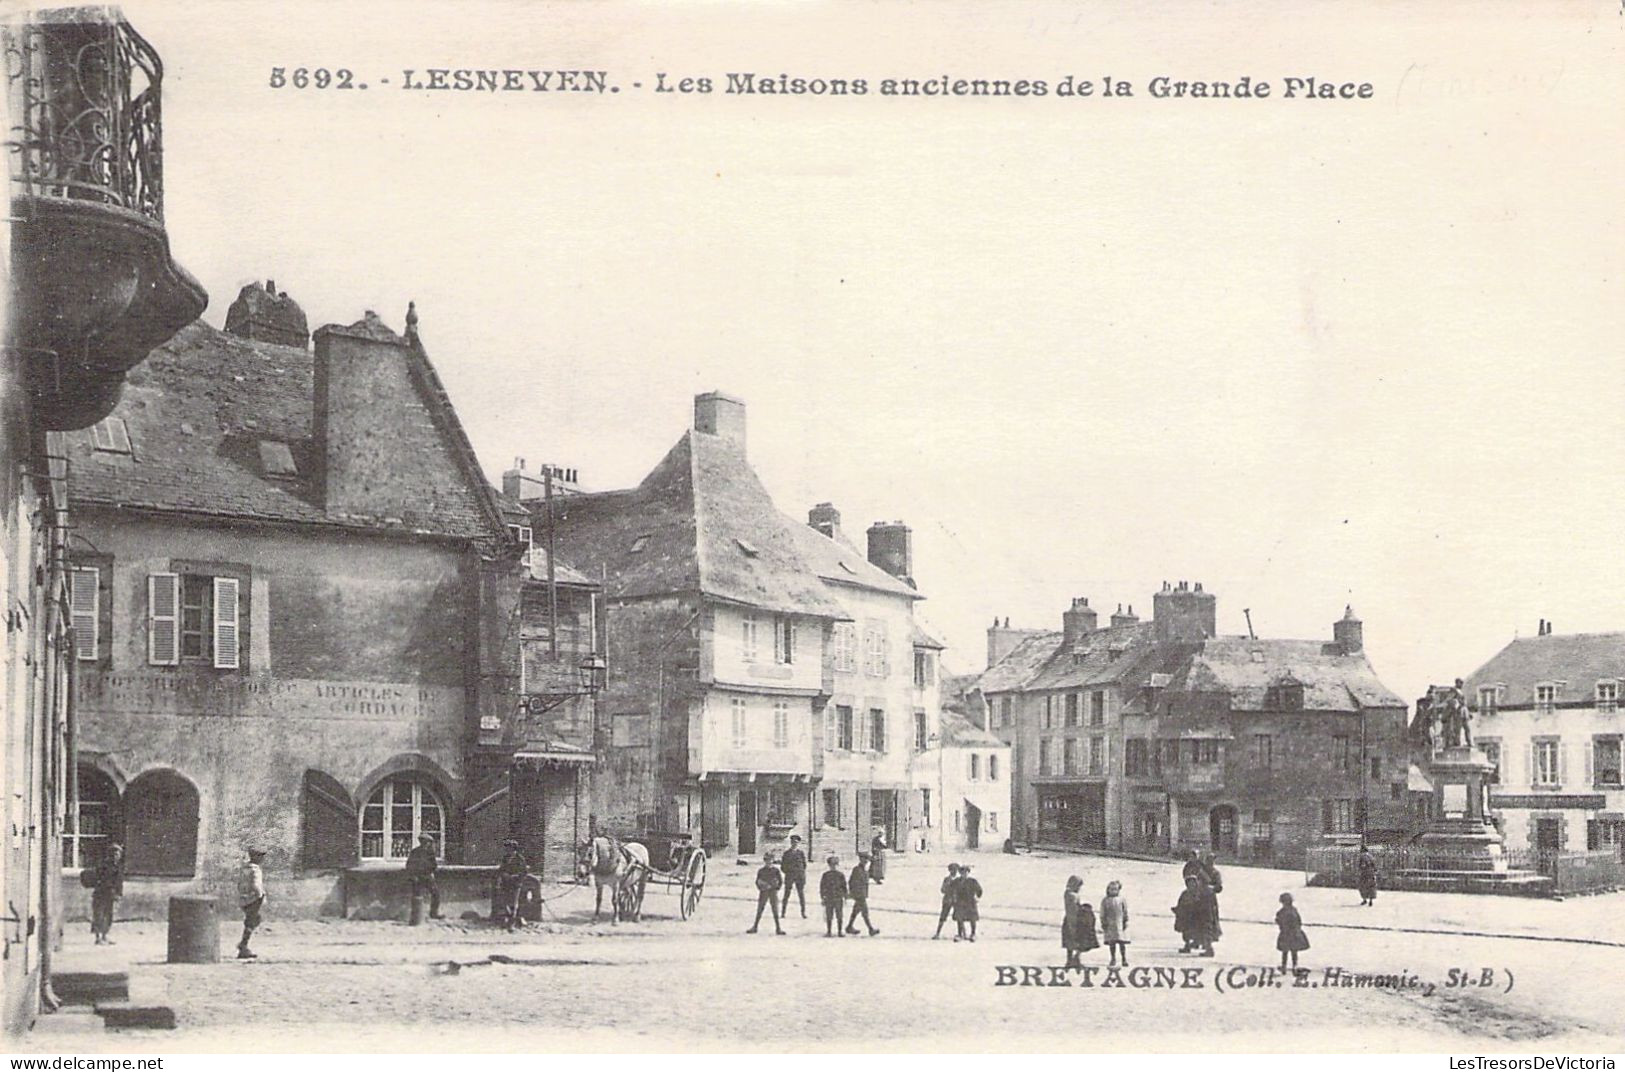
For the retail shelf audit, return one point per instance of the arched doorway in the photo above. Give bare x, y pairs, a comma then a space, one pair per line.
160, 817
1221, 823
98, 820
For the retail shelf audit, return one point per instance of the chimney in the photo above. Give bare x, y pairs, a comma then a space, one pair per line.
525, 486
1349, 634
362, 384
826, 519
1077, 622
1002, 640
1122, 618
265, 314
891, 547
721, 415
1184, 613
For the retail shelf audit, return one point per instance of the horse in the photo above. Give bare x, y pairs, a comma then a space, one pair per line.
623, 866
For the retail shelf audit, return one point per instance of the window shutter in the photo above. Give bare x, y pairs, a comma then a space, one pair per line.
789, 641
225, 623
86, 609
1529, 758
1591, 761
1563, 763
163, 619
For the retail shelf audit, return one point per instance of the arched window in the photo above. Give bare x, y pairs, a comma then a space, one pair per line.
100, 820
401, 809
160, 814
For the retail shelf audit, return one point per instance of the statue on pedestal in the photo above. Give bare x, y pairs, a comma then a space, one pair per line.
1457, 718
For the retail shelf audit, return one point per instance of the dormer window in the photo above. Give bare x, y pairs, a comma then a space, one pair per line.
1607, 696
112, 435
521, 534
1285, 696
1545, 698
1487, 695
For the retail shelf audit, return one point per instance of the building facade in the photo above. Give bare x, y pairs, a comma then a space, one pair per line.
298, 606
764, 676
1546, 711
1160, 735
92, 287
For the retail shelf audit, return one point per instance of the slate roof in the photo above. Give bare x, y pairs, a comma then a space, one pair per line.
960, 732
197, 410
924, 639
837, 561
1131, 655
1580, 659
1332, 681
702, 522
1020, 664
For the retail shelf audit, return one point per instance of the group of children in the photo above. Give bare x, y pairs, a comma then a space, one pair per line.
835, 889
961, 894
1196, 918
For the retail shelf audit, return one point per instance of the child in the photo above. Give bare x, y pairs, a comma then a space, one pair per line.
251, 896
1078, 924
950, 886
768, 881
1292, 938
1114, 923
832, 891
966, 912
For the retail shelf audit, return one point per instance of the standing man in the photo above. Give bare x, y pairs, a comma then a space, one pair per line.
510, 877
857, 888
950, 894
794, 866
421, 865
768, 881
832, 891
106, 887
251, 896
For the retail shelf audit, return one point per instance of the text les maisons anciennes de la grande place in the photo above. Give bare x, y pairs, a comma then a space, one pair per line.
751, 84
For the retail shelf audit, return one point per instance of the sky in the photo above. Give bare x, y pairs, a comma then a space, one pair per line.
1308, 353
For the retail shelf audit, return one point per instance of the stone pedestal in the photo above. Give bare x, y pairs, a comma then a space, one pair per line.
1461, 838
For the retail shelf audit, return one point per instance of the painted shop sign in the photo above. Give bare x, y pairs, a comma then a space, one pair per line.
262, 696
1574, 801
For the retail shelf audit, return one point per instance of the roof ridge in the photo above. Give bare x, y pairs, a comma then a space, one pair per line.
428, 383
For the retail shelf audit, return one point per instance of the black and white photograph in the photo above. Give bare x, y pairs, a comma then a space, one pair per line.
637, 527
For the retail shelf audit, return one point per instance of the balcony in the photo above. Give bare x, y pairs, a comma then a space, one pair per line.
95, 286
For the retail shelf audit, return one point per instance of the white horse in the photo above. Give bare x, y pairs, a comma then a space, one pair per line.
622, 866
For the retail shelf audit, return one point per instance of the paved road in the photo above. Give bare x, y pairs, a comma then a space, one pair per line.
462, 985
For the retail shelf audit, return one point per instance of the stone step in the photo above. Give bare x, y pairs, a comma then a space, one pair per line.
90, 987
122, 1015
68, 1021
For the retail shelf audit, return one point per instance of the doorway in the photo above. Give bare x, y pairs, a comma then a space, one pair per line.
747, 822
1221, 823
973, 826
1548, 843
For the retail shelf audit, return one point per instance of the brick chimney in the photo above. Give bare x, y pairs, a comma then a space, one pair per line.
526, 485
1349, 633
721, 415
1184, 613
826, 519
1077, 622
1122, 618
267, 315
891, 547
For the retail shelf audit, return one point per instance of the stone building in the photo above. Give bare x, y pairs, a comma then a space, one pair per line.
1546, 710
92, 287
764, 675
1154, 735
296, 594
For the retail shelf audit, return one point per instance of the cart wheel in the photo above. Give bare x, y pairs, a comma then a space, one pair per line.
693, 883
